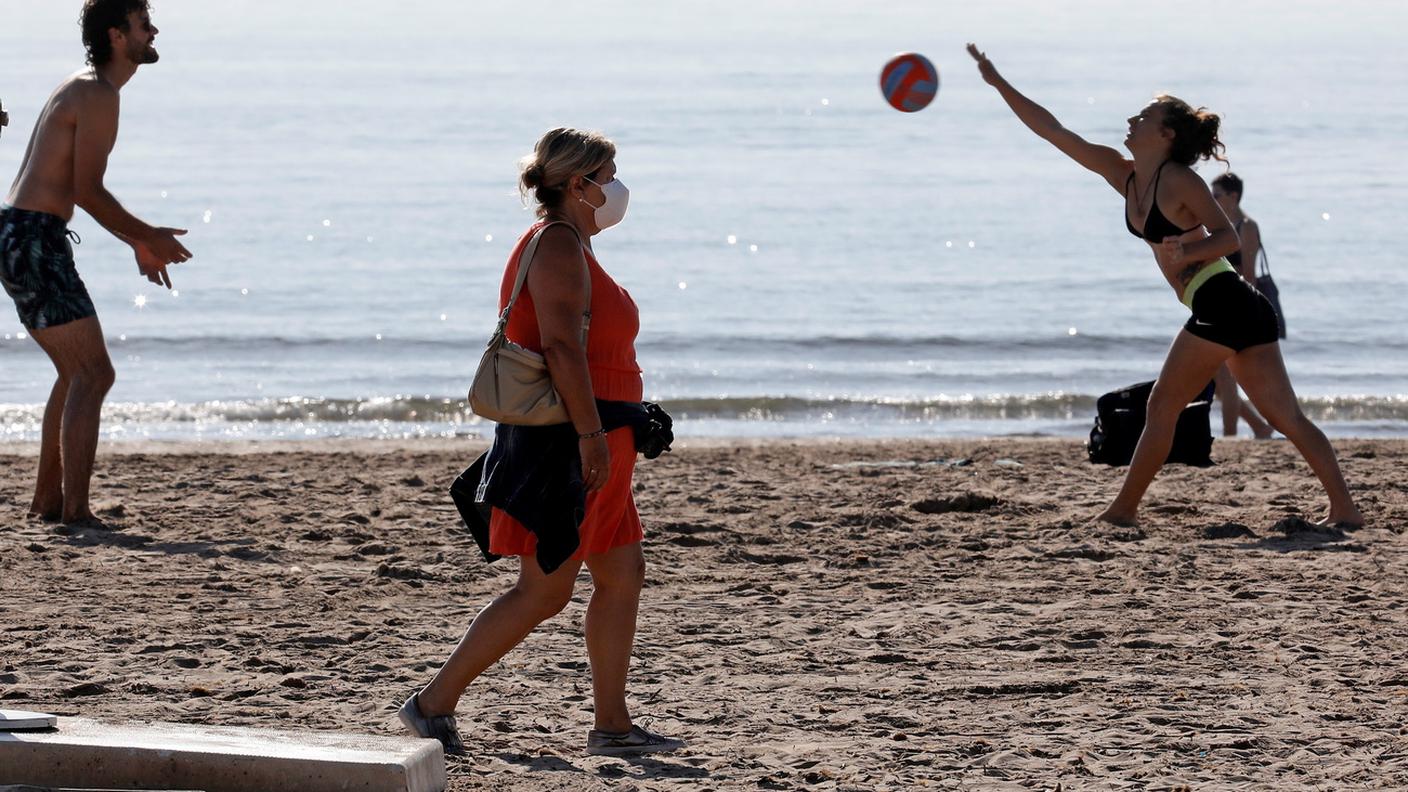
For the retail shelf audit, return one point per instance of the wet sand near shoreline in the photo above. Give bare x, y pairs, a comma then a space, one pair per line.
877, 615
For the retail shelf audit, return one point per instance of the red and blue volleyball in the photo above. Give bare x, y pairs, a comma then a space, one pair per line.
909, 82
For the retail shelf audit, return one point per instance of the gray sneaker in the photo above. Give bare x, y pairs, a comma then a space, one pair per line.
635, 741
440, 727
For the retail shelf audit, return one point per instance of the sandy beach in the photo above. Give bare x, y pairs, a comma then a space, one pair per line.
820, 615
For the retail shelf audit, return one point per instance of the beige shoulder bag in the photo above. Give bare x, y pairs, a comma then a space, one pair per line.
512, 385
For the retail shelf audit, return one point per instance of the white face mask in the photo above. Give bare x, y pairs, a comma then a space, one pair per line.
614, 207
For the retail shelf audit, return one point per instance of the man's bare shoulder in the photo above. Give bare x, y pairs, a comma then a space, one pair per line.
83, 90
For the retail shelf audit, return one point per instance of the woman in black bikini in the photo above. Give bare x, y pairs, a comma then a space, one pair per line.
1189, 236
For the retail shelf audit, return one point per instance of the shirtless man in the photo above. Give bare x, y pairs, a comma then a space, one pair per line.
1227, 191
63, 168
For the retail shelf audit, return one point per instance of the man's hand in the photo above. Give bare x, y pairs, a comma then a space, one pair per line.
158, 250
985, 67
163, 244
152, 267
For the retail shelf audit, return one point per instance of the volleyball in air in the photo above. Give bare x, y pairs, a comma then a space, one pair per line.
909, 82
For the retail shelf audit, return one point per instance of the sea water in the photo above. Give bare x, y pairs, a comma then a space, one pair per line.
807, 261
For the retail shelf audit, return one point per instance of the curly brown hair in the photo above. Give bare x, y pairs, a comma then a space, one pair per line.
1194, 131
100, 16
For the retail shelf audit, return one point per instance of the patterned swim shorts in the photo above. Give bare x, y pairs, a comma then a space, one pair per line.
37, 270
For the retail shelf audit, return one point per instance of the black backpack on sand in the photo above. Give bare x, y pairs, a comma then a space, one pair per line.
1119, 421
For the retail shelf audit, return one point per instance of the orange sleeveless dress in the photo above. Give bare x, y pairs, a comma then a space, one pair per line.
611, 519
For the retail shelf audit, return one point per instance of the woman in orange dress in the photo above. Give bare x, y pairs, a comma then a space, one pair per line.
572, 175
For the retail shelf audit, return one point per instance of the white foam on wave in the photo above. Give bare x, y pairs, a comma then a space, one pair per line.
408, 417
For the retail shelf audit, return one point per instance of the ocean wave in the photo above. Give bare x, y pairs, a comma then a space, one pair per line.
402, 409
1021, 407
683, 346
395, 409
1054, 406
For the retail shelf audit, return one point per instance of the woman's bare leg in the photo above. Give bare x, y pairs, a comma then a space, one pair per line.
1262, 372
497, 629
617, 577
1190, 364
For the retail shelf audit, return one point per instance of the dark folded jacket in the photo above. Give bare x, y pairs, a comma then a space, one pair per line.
534, 473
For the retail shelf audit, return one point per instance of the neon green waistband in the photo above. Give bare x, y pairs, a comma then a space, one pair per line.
1204, 275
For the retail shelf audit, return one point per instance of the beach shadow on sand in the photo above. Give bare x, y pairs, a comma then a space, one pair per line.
1289, 535
637, 767
107, 533
643, 767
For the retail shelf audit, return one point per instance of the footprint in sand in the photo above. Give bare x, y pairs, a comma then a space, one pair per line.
1228, 530
1088, 639
966, 502
377, 548
1297, 526
85, 689
738, 555
1083, 551
690, 541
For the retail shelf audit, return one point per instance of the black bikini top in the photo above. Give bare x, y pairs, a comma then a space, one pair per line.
1156, 226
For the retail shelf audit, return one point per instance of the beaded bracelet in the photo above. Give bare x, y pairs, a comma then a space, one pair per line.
590, 435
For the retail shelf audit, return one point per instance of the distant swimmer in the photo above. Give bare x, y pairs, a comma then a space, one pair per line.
63, 168
1169, 207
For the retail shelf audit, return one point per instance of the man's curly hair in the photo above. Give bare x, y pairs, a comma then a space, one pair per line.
100, 16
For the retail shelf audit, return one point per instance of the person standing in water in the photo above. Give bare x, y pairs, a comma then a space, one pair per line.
1189, 236
63, 168
1227, 191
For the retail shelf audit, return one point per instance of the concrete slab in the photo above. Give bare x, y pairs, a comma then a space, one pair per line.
89, 754
19, 720
28, 788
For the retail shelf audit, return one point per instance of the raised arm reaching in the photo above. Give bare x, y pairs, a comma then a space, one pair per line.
1169, 207
1110, 164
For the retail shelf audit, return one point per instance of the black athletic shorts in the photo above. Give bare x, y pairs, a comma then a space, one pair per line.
1229, 311
37, 270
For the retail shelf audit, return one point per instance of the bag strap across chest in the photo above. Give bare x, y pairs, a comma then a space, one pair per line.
525, 260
